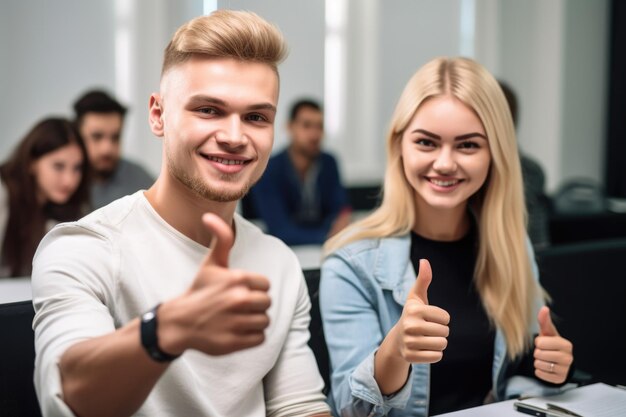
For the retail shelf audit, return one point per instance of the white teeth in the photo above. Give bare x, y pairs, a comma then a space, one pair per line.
225, 161
444, 183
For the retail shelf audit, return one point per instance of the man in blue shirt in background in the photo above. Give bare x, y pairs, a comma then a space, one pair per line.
300, 197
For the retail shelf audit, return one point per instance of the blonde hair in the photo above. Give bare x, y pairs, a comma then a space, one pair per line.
503, 273
227, 34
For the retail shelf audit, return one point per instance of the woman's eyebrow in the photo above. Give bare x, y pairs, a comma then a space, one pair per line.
427, 133
460, 137
470, 135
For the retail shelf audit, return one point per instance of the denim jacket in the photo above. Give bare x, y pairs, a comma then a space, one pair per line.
362, 292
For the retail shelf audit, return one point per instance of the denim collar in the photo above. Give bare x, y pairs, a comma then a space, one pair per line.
393, 268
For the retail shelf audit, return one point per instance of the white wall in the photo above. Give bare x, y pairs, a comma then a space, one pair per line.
554, 53
148, 26
584, 89
530, 60
49, 53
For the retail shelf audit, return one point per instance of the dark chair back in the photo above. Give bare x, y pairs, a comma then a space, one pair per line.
573, 228
317, 341
587, 283
17, 361
364, 197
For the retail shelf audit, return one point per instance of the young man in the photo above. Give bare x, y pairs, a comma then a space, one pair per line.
132, 315
100, 118
300, 197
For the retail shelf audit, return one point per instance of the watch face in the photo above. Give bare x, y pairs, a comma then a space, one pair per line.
148, 316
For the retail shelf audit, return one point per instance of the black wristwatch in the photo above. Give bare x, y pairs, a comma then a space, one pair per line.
149, 338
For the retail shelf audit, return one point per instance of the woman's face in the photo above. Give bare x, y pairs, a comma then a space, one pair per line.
445, 153
58, 174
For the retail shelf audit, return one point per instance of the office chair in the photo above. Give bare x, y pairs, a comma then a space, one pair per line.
17, 361
317, 343
587, 283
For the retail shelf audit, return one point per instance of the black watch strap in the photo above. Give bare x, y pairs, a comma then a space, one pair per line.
149, 338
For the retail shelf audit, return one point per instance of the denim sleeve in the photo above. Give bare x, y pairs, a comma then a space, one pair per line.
353, 334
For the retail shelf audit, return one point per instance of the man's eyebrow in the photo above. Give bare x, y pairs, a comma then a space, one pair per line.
460, 137
207, 99
220, 102
263, 106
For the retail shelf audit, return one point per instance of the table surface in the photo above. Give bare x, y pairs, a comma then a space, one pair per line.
310, 256
501, 409
15, 289
595, 396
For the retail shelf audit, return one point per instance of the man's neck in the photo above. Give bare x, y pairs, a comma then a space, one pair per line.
182, 209
301, 162
102, 177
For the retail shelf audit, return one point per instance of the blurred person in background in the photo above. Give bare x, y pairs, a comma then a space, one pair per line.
300, 197
537, 202
45, 181
100, 119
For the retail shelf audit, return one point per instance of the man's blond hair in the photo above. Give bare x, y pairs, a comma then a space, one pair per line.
227, 34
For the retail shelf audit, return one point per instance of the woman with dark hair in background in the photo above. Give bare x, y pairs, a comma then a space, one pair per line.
45, 181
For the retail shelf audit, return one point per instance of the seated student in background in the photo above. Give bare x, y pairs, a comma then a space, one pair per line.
100, 119
134, 312
537, 202
452, 199
300, 197
45, 181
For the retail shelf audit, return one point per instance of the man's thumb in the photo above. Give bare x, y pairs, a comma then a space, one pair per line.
546, 327
222, 240
424, 278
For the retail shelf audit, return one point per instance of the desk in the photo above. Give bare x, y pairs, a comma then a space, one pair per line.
603, 399
501, 409
310, 256
15, 289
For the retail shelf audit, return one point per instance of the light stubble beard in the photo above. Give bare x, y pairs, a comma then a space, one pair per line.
201, 189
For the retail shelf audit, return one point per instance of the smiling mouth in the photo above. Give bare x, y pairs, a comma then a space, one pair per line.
226, 161
444, 183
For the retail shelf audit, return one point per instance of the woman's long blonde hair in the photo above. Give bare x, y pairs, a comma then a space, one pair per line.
503, 273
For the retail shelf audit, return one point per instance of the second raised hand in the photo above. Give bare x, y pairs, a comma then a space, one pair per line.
553, 354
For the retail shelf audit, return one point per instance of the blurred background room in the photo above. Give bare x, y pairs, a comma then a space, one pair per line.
565, 60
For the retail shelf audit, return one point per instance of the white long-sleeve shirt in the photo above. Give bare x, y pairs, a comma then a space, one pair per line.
93, 276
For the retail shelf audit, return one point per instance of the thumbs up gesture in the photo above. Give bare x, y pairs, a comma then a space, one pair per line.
553, 353
225, 310
422, 330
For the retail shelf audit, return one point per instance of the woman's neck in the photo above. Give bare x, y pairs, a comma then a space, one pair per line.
441, 224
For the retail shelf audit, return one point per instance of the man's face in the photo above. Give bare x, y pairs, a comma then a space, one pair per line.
307, 131
217, 120
101, 133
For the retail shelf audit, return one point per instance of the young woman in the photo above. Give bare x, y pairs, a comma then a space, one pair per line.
42, 183
461, 334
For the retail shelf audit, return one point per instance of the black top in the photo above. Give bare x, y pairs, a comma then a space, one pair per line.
462, 378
